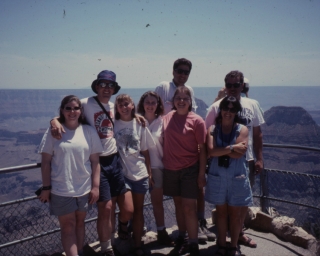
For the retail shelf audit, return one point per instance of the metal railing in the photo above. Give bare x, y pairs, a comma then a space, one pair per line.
26, 228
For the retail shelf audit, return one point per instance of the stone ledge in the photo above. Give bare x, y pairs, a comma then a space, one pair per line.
281, 226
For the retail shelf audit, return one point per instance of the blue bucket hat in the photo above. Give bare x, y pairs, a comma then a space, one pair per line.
106, 75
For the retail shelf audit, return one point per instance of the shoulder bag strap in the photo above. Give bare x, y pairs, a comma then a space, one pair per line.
104, 110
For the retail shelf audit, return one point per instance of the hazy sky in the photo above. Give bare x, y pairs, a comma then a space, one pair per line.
65, 44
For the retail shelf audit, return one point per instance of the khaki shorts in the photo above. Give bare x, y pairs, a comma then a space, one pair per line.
182, 183
157, 176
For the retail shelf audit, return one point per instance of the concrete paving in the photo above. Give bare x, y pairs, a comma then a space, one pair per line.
268, 245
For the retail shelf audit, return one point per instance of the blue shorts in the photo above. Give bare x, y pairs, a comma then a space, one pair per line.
112, 182
138, 186
63, 205
228, 185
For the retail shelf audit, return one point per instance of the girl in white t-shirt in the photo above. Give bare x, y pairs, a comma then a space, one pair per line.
71, 173
151, 107
133, 142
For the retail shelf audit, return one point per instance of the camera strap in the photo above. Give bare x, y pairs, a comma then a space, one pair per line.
229, 139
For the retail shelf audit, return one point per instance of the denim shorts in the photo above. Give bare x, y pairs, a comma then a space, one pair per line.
228, 185
63, 205
182, 183
138, 186
112, 182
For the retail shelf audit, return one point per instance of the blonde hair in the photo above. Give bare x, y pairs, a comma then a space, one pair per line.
120, 98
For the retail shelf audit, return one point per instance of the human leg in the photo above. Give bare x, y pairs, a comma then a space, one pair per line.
138, 219
125, 204
80, 228
234, 213
104, 224
68, 233
244, 239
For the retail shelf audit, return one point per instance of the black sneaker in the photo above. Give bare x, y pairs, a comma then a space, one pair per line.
194, 249
180, 246
203, 226
164, 238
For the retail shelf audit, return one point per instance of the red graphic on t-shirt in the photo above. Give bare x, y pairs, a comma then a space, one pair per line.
103, 125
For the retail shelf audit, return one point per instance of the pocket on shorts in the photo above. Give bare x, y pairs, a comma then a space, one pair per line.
240, 187
213, 189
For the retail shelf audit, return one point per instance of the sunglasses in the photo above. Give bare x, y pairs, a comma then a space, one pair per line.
70, 108
235, 85
108, 85
231, 110
182, 71
182, 99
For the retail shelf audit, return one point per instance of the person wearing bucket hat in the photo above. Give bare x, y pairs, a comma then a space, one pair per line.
99, 113
106, 78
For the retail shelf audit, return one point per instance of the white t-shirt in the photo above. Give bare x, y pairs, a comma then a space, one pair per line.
70, 164
132, 138
156, 152
96, 117
166, 91
250, 116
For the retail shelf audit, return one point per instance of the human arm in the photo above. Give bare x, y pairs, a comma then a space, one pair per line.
140, 120
221, 94
240, 146
146, 155
46, 177
95, 178
56, 128
202, 165
257, 147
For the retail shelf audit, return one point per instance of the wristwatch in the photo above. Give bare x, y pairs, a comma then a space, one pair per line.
231, 148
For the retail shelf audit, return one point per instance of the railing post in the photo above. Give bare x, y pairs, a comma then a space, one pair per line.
264, 202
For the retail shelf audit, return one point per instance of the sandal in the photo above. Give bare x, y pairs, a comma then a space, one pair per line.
233, 251
139, 252
123, 232
222, 251
248, 242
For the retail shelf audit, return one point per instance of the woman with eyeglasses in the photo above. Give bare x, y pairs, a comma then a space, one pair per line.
228, 185
184, 159
71, 173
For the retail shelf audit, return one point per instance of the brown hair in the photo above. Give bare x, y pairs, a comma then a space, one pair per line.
182, 61
182, 89
234, 73
64, 102
159, 110
120, 98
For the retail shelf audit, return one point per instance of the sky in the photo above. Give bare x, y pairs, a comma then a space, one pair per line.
65, 44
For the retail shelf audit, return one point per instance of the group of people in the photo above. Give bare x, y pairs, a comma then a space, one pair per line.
113, 154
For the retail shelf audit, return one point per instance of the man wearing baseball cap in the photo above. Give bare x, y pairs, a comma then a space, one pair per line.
99, 113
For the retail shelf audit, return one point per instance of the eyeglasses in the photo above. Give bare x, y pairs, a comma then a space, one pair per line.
150, 103
70, 108
108, 85
231, 110
127, 104
182, 71
182, 99
235, 85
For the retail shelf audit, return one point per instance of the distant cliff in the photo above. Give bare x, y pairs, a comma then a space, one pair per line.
290, 125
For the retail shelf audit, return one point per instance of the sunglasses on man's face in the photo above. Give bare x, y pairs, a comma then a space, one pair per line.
235, 85
108, 85
182, 71
231, 110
